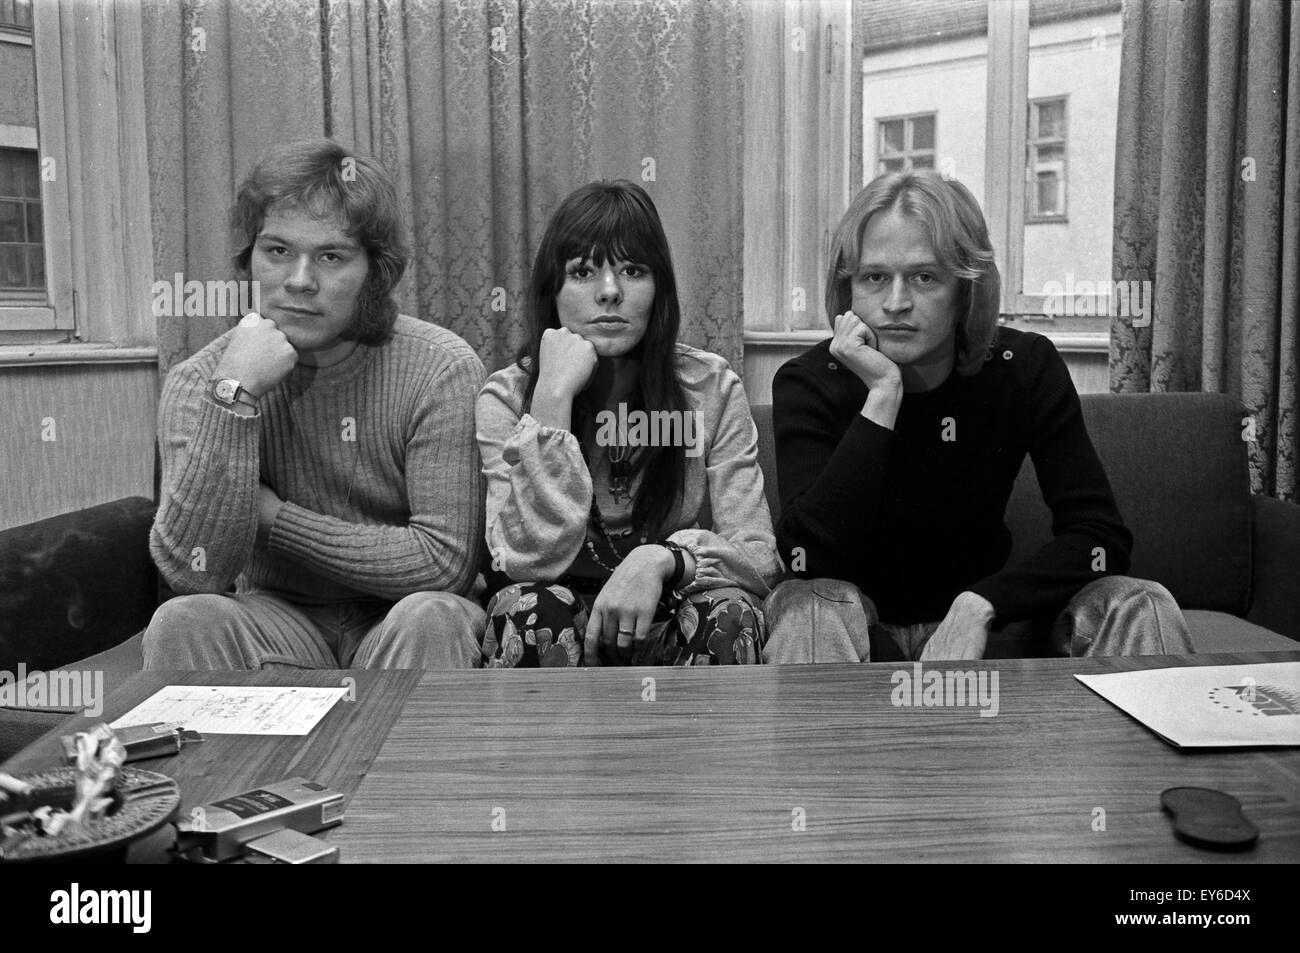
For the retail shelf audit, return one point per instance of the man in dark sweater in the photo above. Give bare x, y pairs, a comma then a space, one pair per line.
899, 441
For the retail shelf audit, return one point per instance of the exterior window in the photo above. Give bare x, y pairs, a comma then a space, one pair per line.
16, 14
1047, 129
906, 143
22, 245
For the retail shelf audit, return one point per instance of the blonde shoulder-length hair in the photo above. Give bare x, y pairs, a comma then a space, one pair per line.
959, 235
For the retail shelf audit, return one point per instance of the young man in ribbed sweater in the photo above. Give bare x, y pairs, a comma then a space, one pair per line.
898, 442
320, 456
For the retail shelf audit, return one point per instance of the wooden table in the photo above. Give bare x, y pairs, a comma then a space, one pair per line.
800, 763
724, 764
338, 752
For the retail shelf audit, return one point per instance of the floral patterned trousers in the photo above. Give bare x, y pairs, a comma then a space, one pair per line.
534, 624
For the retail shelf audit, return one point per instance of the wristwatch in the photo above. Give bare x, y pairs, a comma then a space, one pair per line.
228, 392
679, 565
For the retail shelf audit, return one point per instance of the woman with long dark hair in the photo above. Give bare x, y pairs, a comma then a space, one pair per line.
626, 520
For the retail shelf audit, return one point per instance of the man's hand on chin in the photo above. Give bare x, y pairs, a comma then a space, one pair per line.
964, 631
268, 506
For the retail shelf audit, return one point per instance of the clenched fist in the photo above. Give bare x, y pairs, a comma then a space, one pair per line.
854, 345
259, 356
567, 361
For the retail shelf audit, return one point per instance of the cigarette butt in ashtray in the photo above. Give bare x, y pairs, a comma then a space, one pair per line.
11, 785
250, 320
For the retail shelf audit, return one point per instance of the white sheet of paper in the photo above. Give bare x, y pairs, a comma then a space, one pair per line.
236, 710
1212, 706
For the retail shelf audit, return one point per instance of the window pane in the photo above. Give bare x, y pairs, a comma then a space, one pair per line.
1048, 187
891, 136
18, 173
35, 233
36, 265
1051, 153
1051, 120
13, 266
11, 222
923, 132
29, 175
891, 165
923, 162
10, 172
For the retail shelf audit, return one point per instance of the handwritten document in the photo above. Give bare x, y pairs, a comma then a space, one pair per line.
1211, 706
228, 710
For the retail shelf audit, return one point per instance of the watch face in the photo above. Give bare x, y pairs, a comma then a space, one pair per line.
226, 391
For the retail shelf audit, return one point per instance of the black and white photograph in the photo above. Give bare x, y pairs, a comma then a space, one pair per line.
919, 374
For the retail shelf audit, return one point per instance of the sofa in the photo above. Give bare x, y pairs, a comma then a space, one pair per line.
76, 590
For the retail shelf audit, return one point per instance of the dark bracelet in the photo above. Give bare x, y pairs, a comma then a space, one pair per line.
679, 564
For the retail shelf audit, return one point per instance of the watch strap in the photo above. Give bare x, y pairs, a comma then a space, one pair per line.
679, 564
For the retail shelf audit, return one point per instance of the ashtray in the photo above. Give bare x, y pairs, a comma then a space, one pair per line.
143, 801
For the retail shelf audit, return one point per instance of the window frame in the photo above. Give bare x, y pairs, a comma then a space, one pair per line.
1032, 143
56, 312
13, 25
1005, 199
34, 293
798, 109
908, 152
98, 275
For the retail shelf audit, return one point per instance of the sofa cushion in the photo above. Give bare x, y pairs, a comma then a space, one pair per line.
1220, 632
19, 727
75, 584
1177, 466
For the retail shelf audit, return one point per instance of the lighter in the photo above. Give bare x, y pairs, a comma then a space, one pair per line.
142, 741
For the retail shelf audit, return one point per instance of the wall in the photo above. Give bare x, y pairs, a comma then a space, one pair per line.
102, 418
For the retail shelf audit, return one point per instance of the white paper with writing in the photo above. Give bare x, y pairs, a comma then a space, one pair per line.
236, 710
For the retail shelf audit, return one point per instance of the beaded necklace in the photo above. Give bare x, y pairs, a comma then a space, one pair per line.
609, 539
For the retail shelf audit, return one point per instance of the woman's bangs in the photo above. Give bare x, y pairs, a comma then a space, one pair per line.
609, 231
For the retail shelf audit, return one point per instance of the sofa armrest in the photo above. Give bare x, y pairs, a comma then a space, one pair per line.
1275, 554
76, 584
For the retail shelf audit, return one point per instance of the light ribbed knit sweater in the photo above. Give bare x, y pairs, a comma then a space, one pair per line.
375, 458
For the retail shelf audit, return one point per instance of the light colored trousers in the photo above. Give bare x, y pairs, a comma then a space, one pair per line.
258, 630
828, 620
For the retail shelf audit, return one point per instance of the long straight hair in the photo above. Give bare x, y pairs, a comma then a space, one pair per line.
952, 217
617, 221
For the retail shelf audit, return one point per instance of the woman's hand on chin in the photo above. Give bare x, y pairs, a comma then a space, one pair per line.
566, 363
